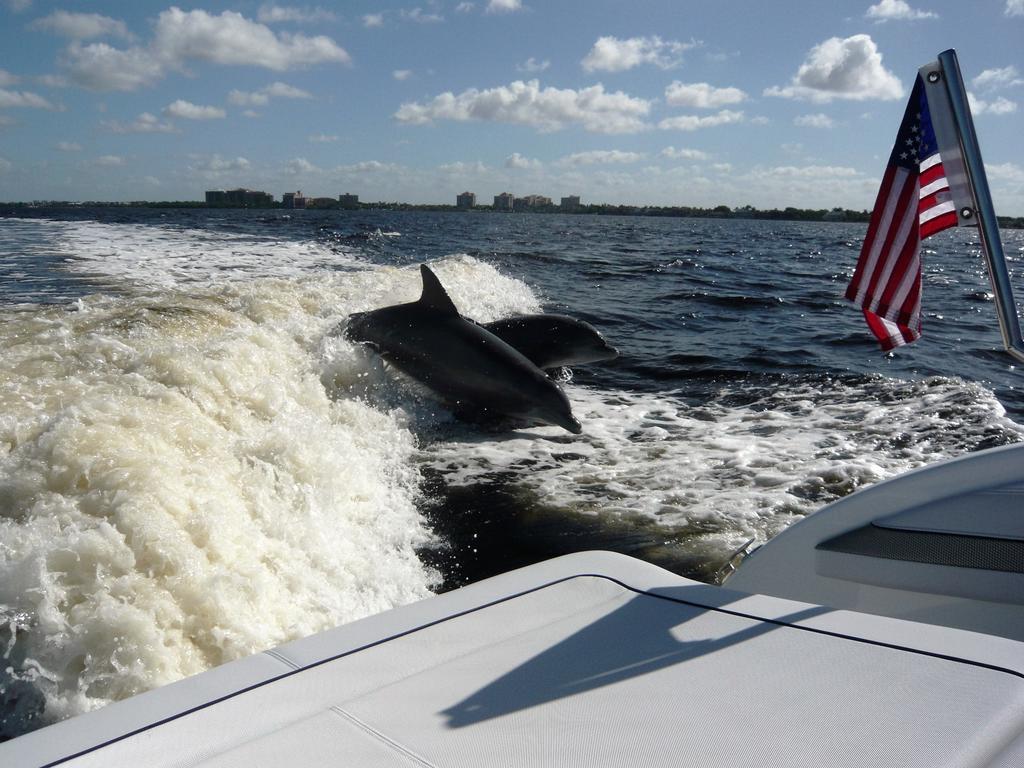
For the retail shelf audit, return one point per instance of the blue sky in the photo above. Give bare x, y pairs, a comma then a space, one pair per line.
661, 103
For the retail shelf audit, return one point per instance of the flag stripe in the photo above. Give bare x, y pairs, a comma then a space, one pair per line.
902, 265
885, 207
939, 223
915, 201
929, 161
935, 186
892, 248
937, 209
934, 173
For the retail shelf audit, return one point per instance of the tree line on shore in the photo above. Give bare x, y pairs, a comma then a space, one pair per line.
594, 209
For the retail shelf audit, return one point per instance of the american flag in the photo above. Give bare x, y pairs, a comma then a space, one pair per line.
913, 203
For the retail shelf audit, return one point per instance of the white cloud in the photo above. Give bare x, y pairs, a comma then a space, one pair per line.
600, 157
369, 168
6, 78
515, 160
230, 38
248, 98
526, 103
465, 7
402, 74
300, 165
81, 26
461, 168
99, 67
695, 122
216, 166
5, 165
610, 54
504, 6
17, 6
69, 146
896, 10
109, 161
323, 138
420, 16
533, 65
684, 154
144, 123
808, 172
991, 79
1015, 7
26, 99
250, 113
1006, 172
186, 110
181, 37
262, 97
53, 81
849, 68
998, 106
701, 95
275, 14
371, 20
279, 90
814, 121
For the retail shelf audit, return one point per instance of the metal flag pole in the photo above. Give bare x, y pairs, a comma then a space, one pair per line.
988, 226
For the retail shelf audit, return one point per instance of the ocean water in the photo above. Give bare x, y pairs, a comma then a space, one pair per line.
195, 464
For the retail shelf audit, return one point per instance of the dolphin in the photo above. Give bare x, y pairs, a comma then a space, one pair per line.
551, 341
463, 363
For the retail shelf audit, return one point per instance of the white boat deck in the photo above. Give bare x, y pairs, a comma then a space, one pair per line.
943, 544
591, 659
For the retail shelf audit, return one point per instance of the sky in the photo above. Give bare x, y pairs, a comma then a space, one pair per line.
666, 102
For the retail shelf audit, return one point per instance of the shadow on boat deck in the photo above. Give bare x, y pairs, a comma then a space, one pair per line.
642, 636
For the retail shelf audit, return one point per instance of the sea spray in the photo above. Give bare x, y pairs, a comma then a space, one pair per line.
190, 477
745, 464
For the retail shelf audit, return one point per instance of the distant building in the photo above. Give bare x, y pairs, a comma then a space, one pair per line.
465, 200
322, 202
293, 200
239, 198
570, 203
504, 202
531, 201
348, 201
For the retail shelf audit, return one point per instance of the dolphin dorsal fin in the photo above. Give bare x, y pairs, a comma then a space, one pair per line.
434, 295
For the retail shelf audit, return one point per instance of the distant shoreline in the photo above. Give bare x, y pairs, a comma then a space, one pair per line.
718, 212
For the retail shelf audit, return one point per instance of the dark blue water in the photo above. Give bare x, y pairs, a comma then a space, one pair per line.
692, 302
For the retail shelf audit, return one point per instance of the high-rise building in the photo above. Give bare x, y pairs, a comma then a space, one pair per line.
465, 200
504, 202
241, 198
348, 201
570, 203
532, 201
293, 200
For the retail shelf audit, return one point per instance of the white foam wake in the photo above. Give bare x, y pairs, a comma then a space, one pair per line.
732, 471
167, 256
186, 479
